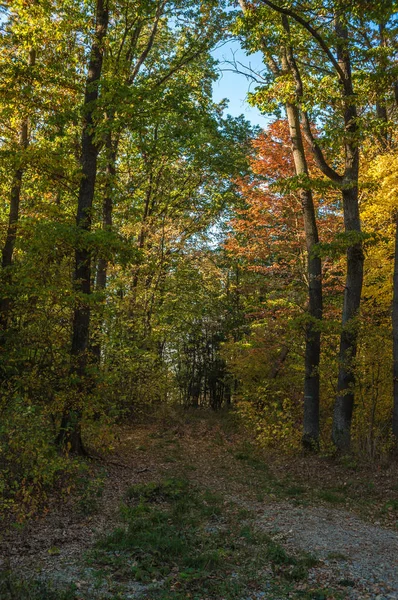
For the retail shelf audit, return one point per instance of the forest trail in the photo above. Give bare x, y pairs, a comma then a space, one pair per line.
284, 528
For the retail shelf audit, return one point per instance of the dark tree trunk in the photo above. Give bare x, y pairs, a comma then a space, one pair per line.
310, 438
381, 112
355, 258
381, 105
348, 342
13, 218
107, 209
279, 362
107, 205
395, 321
69, 436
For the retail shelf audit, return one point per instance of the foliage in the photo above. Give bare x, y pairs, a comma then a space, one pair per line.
197, 284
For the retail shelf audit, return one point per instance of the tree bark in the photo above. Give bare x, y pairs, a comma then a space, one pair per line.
107, 222
344, 404
70, 431
310, 437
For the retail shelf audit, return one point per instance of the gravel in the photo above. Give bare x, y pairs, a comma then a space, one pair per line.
356, 555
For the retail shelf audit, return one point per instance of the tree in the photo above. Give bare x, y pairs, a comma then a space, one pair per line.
325, 35
281, 67
379, 213
138, 43
70, 434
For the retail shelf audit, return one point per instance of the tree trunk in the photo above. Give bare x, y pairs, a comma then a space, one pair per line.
344, 404
395, 335
69, 436
107, 208
348, 341
310, 437
13, 218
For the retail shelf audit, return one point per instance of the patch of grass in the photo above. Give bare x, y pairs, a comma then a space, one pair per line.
347, 582
349, 462
188, 543
329, 496
253, 461
169, 489
319, 594
390, 506
292, 568
278, 555
295, 490
168, 527
13, 588
170, 459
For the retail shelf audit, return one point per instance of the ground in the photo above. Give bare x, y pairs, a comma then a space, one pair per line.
188, 508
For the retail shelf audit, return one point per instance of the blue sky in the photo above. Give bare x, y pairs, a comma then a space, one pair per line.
235, 86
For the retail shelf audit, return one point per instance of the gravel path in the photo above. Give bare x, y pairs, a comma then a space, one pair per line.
362, 556
356, 557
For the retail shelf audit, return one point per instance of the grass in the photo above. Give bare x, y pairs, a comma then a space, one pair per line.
180, 541
184, 542
167, 529
390, 506
357, 493
13, 588
337, 556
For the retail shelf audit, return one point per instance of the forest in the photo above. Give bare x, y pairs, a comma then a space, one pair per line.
167, 265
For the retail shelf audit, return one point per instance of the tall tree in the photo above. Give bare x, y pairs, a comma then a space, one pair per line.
15, 194
336, 50
283, 65
70, 433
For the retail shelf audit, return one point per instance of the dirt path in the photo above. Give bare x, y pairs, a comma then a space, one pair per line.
356, 558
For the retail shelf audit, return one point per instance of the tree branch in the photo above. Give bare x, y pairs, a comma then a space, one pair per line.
315, 34
273, 65
317, 152
149, 45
